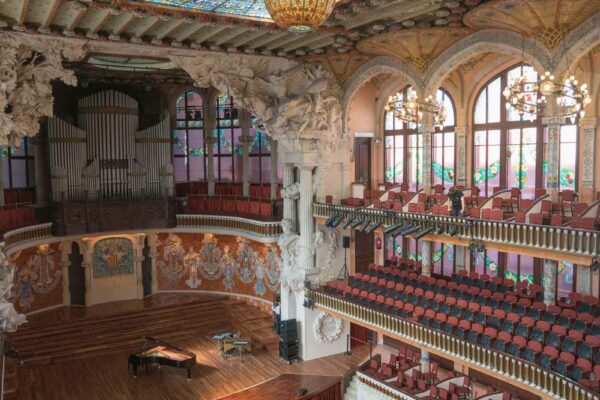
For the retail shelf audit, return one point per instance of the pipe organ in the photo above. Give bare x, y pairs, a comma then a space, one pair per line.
105, 157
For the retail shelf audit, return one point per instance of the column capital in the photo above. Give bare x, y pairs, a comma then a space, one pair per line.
554, 121
588, 123
461, 130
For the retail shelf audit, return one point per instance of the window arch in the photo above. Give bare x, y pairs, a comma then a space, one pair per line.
506, 144
403, 152
189, 149
443, 144
227, 156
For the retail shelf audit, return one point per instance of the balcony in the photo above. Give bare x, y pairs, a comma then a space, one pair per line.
578, 244
527, 376
262, 231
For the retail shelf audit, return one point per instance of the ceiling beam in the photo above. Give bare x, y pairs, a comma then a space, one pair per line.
306, 41
22, 12
209, 33
285, 40
399, 10
192, 29
225, 36
269, 37
79, 13
103, 20
175, 24
148, 28
124, 25
246, 37
321, 43
51, 13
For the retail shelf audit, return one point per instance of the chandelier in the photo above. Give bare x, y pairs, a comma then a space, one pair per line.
412, 109
530, 97
299, 16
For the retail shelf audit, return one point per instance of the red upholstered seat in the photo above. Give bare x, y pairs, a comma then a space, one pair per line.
265, 209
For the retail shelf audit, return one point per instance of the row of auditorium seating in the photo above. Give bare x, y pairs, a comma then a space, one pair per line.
16, 217
236, 205
563, 340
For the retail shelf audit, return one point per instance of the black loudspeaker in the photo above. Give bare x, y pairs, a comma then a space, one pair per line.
288, 351
288, 331
346, 242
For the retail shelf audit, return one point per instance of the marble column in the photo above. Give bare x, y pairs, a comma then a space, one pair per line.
587, 129
40, 182
273, 171
1, 184
460, 164
460, 258
289, 205
425, 130
305, 218
553, 125
550, 275
210, 124
245, 140
425, 257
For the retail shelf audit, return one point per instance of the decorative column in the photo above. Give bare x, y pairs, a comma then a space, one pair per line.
460, 257
587, 128
138, 251
425, 129
1, 185
584, 281
210, 123
306, 219
460, 164
152, 239
38, 161
245, 140
553, 125
424, 361
273, 171
289, 204
425, 257
550, 274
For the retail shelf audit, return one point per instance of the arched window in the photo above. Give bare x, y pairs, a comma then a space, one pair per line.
442, 145
228, 163
188, 149
505, 143
17, 165
403, 148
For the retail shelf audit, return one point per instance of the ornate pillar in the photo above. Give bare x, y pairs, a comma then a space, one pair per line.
425, 130
210, 123
587, 136
550, 274
289, 204
424, 361
87, 264
584, 279
1, 185
273, 170
460, 257
425, 257
553, 125
245, 140
138, 251
38, 161
305, 217
152, 238
460, 164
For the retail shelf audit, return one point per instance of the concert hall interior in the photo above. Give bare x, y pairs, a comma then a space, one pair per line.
299, 200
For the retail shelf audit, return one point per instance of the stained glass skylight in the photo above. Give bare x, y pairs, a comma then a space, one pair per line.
239, 8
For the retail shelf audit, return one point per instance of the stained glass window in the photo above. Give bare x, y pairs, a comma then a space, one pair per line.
260, 157
442, 145
188, 139
567, 157
565, 279
17, 165
519, 268
485, 262
226, 150
505, 143
442, 258
403, 149
239, 8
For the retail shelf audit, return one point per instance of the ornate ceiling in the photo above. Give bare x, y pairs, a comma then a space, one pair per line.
239, 8
341, 65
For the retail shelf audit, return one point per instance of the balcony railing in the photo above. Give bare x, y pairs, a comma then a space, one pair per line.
531, 377
380, 389
220, 223
27, 234
559, 239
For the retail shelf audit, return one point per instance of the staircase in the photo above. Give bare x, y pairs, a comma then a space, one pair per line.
57, 341
351, 392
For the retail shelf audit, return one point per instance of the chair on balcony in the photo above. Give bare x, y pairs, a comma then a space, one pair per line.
517, 345
548, 357
566, 200
532, 352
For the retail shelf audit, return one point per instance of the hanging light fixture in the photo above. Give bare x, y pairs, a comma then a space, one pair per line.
529, 97
299, 16
412, 109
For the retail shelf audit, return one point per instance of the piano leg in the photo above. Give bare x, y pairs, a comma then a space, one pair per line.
134, 370
189, 374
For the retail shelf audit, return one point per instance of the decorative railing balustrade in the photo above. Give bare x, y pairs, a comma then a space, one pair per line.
27, 234
560, 239
531, 377
220, 224
379, 389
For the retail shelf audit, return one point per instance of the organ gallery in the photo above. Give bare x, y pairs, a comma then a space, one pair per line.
321, 201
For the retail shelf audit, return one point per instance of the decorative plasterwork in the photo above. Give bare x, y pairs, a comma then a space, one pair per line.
342, 66
28, 66
419, 47
10, 319
327, 329
548, 21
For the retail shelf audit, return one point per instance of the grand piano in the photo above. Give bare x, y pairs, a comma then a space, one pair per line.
162, 353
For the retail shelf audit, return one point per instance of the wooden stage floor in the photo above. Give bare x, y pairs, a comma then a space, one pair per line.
106, 376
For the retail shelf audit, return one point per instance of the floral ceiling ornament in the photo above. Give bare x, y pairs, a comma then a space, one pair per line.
27, 68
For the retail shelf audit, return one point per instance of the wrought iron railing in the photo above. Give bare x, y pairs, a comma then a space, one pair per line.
540, 381
559, 239
267, 229
27, 234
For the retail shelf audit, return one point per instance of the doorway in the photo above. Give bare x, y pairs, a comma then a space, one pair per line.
362, 161
76, 276
147, 270
364, 250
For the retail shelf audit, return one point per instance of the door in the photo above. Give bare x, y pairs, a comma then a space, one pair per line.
147, 270
362, 161
364, 251
76, 276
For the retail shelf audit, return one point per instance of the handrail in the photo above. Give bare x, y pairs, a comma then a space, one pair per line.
383, 390
27, 234
529, 375
269, 229
553, 238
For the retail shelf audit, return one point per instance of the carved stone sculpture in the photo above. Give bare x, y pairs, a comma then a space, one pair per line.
327, 329
291, 192
27, 69
288, 244
10, 319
